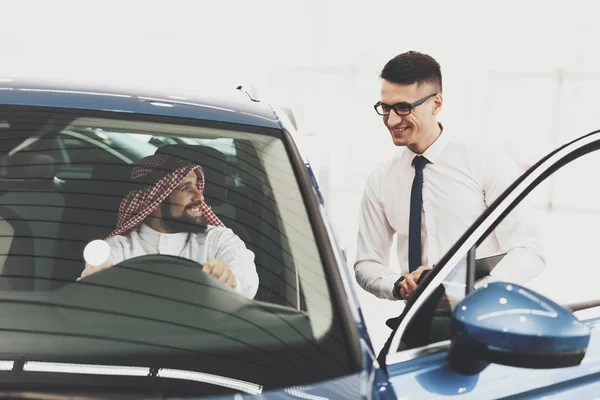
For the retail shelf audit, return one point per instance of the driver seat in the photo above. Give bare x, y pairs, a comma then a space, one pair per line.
17, 267
34, 211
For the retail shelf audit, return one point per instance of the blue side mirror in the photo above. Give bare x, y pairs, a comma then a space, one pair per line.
508, 324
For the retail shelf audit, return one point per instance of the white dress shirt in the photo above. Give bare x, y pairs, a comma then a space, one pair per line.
460, 181
218, 242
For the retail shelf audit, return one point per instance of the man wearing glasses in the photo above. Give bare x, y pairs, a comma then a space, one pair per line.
432, 190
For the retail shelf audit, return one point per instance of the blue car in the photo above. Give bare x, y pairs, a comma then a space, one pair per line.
158, 327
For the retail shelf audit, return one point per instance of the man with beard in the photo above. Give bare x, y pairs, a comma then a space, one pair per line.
168, 216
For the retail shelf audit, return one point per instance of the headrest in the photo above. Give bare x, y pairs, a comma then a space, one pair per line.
114, 179
28, 165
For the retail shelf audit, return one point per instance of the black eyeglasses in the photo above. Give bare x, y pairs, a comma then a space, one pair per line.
402, 109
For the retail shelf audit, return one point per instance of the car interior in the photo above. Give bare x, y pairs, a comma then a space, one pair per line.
51, 205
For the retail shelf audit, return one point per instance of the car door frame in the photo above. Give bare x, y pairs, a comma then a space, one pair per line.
482, 227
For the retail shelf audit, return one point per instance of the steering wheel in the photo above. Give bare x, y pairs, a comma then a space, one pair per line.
156, 272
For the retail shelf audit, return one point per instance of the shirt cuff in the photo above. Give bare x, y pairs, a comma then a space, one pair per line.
387, 286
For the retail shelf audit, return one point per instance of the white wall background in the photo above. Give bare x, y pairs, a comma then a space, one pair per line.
523, 73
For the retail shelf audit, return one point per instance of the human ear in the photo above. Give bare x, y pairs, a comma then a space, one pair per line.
437, 103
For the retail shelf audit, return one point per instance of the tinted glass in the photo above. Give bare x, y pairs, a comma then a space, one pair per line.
62, 177
563, 213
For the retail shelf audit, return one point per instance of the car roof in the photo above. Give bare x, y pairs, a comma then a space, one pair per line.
230, 105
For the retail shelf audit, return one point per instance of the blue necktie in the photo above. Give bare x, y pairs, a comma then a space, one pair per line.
414, 224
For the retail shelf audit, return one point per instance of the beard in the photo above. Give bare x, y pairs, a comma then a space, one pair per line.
183, 223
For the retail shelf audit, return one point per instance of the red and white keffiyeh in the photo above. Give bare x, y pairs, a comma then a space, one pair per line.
140, 203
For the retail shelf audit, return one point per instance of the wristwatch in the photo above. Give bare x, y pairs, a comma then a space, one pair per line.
397, 287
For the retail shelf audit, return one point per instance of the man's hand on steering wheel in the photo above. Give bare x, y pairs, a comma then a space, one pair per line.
89, 269
220, 270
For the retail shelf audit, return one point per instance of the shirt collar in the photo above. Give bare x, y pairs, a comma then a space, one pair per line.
434, 151
153, 236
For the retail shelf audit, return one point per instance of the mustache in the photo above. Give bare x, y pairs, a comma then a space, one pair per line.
194, 204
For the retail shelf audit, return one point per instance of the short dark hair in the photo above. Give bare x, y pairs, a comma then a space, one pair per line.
413, 67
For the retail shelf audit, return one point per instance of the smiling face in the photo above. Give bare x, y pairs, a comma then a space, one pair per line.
181, 212
419, 129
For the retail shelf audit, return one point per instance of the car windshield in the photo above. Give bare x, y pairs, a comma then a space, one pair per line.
155, 325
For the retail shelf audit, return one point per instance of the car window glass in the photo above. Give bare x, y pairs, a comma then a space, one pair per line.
82, 150
563, 214
87, 145
566, 212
